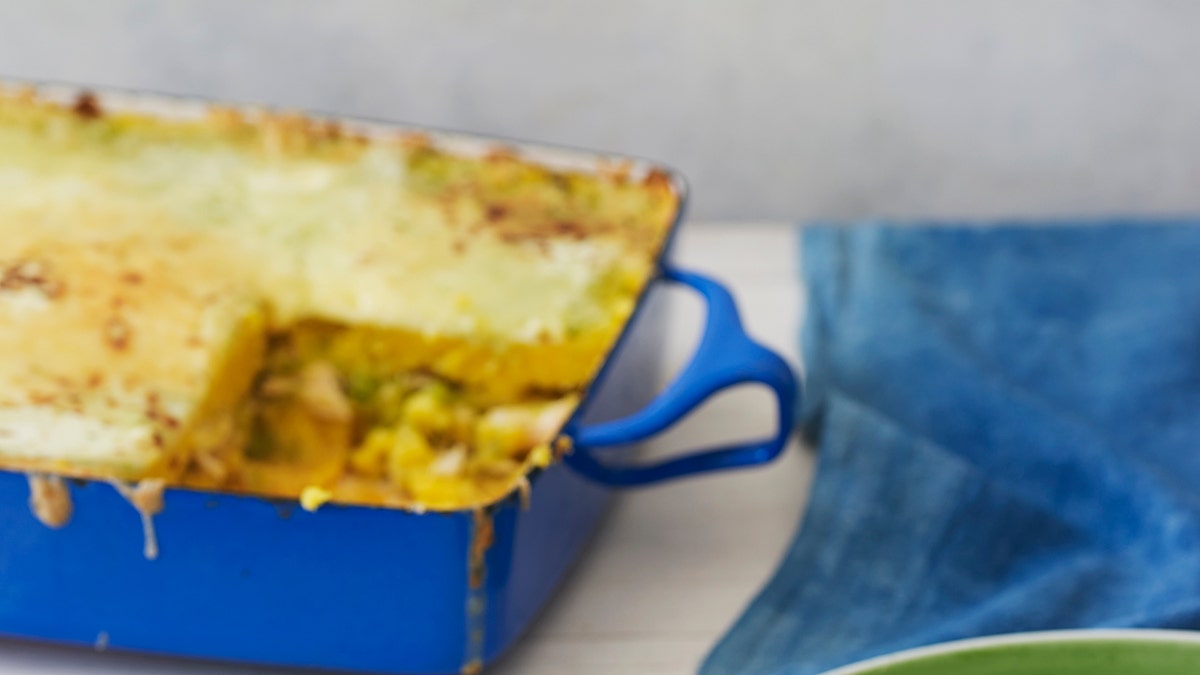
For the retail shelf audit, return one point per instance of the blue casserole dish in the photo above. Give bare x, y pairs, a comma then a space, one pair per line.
363, 588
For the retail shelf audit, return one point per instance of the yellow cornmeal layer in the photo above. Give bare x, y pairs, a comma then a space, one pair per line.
276, 305
489, 373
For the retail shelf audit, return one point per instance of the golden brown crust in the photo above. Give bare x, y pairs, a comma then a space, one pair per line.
87, 106
28, 273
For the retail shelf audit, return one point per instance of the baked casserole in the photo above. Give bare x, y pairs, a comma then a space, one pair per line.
279, 305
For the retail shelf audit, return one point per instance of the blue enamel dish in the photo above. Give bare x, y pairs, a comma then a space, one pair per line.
374, 589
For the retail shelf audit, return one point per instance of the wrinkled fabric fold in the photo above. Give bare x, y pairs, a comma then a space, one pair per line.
1007, 421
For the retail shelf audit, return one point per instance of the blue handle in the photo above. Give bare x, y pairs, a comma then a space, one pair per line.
726, 357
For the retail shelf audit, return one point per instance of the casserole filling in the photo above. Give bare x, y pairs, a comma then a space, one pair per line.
277, 305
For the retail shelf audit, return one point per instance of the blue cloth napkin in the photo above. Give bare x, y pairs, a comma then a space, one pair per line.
1008, 427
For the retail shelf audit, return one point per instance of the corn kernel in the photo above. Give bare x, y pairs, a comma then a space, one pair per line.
369, 459
541, 456
312, 497
429, 410
410, 451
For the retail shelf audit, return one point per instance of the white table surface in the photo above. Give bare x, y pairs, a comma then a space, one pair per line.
672, 565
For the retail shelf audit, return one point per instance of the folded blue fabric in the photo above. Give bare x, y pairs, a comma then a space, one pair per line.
1008, 427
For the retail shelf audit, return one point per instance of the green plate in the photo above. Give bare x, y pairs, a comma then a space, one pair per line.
1090, 652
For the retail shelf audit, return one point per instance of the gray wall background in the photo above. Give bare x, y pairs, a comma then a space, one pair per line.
798, 110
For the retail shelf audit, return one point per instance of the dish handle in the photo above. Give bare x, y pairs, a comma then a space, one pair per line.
726, 357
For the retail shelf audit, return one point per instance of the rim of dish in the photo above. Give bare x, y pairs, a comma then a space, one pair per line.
1036, 637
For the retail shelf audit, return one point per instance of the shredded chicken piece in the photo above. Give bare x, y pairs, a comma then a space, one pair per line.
450, 462
278, 386
50, 500
551, 419
321, 392
210, 465
223, 439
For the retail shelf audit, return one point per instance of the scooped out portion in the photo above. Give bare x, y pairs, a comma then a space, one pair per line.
281, 306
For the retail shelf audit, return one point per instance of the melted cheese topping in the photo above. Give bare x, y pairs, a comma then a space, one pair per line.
337, 230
